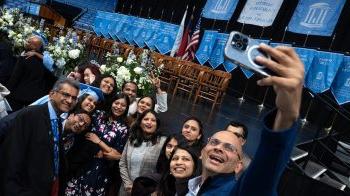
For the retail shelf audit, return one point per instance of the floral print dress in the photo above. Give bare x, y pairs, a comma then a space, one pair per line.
97, 173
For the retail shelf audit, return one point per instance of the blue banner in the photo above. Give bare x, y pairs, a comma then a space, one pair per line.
229, 66
307, 56
206, 46
322, 71
247, 73
341, 84
217, 55
166, 39
139, 34
219, 9
117, 25
106, 23
316, 17
128, 30
98, 24
152, 33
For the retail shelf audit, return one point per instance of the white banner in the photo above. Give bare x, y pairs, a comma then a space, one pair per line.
260, 12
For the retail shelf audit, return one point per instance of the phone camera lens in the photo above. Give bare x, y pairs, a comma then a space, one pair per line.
245, 40
236, 37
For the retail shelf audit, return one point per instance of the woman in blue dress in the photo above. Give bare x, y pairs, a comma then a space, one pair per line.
109, 134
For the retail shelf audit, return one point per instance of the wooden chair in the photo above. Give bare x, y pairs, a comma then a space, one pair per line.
213, 86
188, 77
170, 71
95, 48
124, 50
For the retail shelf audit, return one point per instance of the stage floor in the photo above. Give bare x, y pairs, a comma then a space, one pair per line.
246, 112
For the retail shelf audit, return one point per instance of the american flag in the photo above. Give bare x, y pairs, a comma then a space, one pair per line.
193, 43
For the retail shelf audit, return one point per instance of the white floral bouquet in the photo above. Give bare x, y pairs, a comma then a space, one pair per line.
139, 70
66, 51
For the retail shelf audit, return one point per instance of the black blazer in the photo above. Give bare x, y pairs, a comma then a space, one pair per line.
26, 166
7, 62
30, 80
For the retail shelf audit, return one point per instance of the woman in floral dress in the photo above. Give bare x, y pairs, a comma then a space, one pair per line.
109, 133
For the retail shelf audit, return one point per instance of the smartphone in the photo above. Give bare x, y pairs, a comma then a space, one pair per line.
242, 50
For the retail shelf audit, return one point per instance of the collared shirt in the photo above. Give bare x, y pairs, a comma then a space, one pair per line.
194, 185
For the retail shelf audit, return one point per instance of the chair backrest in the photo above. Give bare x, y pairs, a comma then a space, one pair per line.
190, 71
216, 79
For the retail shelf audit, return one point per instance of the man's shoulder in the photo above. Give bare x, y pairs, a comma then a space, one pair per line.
33, 110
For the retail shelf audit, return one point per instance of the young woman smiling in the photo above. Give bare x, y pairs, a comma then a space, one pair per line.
142, 150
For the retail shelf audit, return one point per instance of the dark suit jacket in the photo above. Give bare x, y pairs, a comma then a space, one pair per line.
26, 166
30, 80
7, 62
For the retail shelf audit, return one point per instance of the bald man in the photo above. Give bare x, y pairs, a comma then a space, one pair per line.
222, 156
30, 79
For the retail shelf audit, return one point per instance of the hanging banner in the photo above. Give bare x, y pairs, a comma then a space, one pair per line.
206, 46
152, 33
139, 33
166, 38
217, 55
316, 17
247, 73
229, 66
341, 85
117, 25
306, 55
219, 9
108, 18
98, 23
322, 71
129, 28
260, 12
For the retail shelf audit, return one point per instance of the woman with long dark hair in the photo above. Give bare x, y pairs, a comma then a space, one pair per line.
182, 166
142, 150
109, 133
192, 130
144, 103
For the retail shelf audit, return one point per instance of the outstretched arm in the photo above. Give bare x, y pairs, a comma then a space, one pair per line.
279, 131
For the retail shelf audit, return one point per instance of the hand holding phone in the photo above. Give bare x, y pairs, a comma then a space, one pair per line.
243, 50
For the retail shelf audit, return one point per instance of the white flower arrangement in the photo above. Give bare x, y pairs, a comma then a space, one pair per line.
133, 69
66, 52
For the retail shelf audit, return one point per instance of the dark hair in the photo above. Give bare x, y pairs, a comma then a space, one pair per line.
96, 71
238, 124
162, 155
103, 76
127, 82
80, 101
78, 110
136, 132
116, 97
59, 83
199, 122
153, 101
167, 186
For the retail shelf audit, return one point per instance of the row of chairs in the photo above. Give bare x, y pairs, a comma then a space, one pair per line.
195, 80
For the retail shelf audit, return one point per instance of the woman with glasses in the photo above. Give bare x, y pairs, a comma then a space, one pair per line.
109, 134
142, 150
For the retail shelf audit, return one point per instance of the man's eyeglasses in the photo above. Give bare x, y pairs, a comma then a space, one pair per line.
67, 95
82, 121
226, 146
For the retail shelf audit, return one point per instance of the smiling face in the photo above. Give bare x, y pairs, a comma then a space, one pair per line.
130, 89
89, 77
223, 155
144, 104
89, 104
119, 107
191, 131
149, 124
64, 99
170, 146
107, 85
77, 122
181, 164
